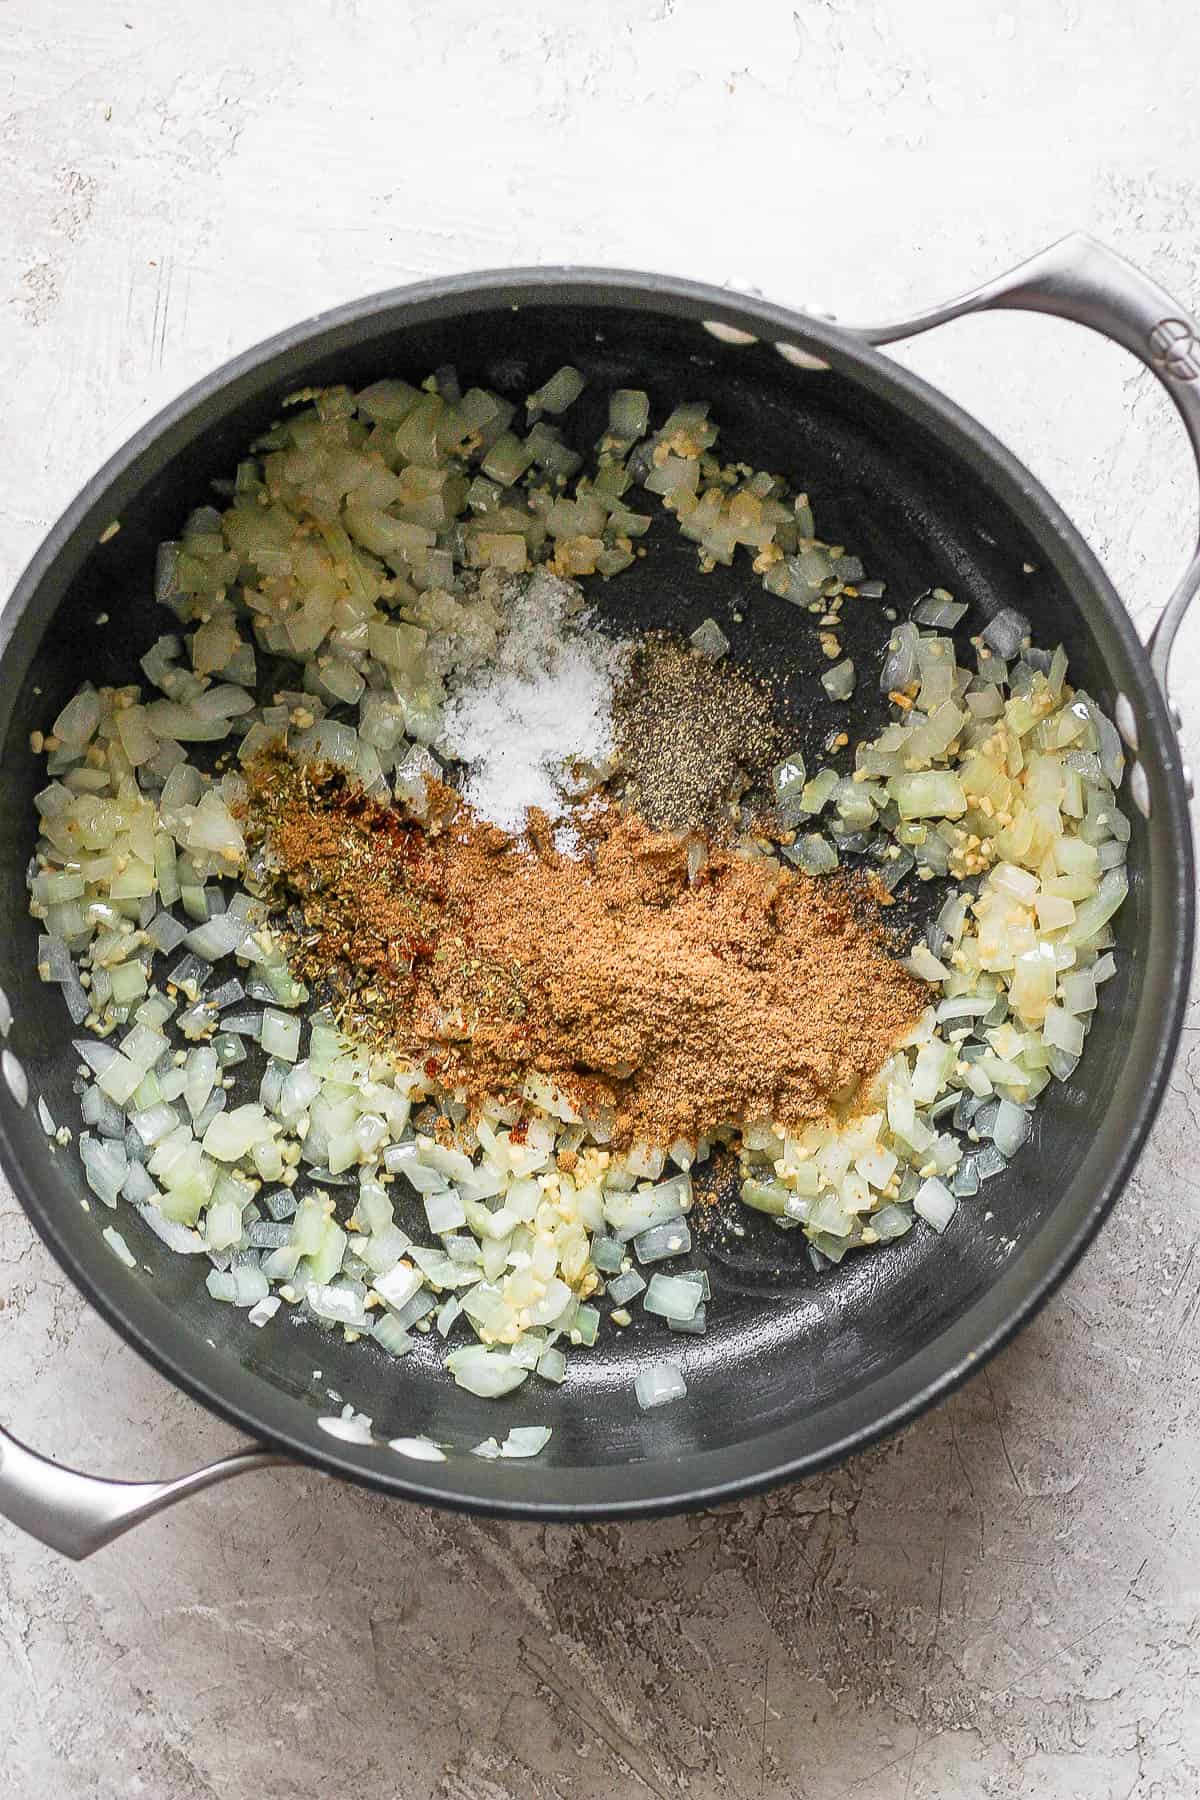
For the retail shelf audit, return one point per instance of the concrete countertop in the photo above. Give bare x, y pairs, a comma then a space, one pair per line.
1003, 1601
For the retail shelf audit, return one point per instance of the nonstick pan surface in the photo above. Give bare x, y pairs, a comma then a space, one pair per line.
796, 1369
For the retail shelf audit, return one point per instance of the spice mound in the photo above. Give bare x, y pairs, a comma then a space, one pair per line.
692, 736
541, 705
748, 992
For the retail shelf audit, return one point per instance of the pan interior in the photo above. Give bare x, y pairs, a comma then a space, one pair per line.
793, 1366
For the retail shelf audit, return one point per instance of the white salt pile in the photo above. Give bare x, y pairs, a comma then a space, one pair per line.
544, 703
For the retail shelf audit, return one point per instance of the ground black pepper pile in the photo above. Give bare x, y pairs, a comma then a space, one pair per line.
692, 736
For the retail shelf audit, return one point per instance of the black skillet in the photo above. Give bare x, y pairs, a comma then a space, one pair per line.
796, 1370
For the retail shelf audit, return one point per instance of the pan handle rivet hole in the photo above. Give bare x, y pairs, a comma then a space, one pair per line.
1126, 723
1139, 788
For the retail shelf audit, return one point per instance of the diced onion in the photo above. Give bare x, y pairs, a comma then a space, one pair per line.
658, 1384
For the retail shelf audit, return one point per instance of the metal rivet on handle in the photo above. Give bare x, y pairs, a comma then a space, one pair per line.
800, 359
728, 334
804, 359
1126, 723
1139, 788
14, 1076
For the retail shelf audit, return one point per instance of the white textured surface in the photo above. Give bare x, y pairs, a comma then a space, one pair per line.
1001, 1602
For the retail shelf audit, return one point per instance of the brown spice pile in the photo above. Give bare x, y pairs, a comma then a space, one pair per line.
754, 993
693, 735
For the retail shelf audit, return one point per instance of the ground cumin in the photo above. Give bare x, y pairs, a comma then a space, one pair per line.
754, 992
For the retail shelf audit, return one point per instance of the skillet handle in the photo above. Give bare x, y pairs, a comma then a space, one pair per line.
1079, 279
77, 1514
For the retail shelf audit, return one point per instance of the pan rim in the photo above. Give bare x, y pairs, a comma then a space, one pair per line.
1007, 1311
